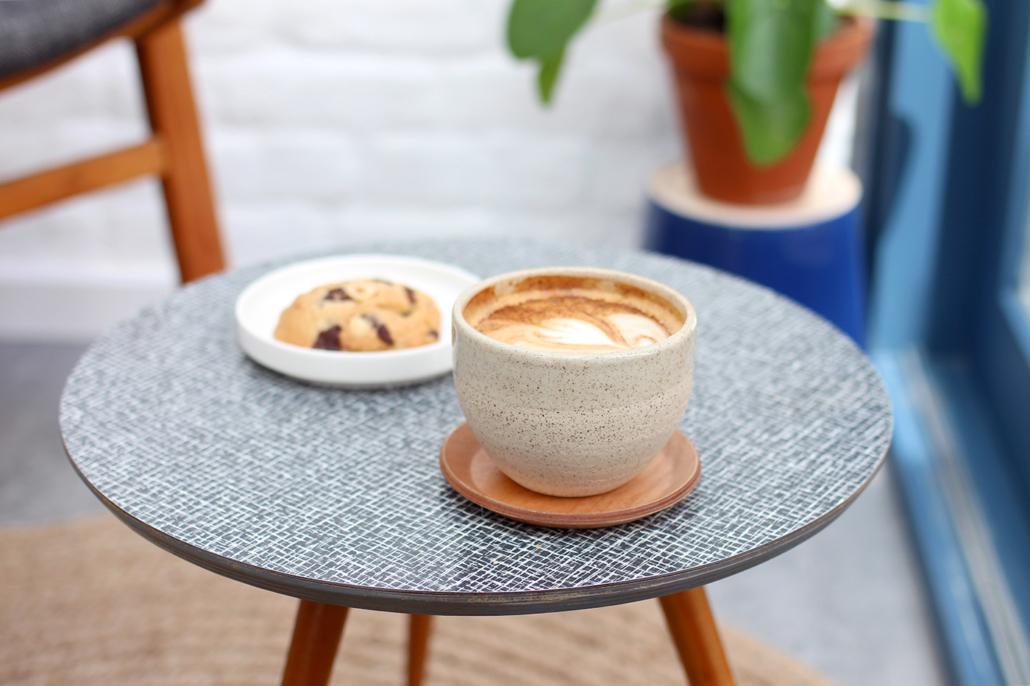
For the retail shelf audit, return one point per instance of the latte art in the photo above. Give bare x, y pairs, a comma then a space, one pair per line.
576, 320
638, 330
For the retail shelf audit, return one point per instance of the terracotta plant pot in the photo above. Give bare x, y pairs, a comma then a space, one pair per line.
700, 60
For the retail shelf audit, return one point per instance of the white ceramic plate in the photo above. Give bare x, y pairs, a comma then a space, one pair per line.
260, 304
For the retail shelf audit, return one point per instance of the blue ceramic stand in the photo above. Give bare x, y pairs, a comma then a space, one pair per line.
808, 249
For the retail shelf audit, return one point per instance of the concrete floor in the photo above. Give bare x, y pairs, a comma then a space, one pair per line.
849, 602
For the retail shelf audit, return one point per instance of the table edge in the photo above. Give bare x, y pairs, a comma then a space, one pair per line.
475, 604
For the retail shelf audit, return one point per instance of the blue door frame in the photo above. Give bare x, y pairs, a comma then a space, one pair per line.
948, 207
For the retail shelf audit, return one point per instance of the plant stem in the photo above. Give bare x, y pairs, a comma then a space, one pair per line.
879, 9
882, 9
625, 8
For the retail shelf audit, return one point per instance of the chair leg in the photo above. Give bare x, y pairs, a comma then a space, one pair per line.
173, 118
316, 637
420, 628
696, 637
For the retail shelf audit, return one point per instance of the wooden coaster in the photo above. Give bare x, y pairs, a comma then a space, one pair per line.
671, 475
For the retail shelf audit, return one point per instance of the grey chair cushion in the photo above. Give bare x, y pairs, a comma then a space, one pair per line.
34, 32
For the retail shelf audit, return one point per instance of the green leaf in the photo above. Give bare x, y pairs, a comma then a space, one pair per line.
959, 27
548, 76
771, 46
770, 127
540, 29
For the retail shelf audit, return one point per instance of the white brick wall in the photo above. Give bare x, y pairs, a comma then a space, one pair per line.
328, 120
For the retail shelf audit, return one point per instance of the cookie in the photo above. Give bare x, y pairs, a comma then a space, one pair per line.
363, 315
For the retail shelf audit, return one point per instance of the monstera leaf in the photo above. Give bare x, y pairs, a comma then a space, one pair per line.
959, 27
539, 30
771, 47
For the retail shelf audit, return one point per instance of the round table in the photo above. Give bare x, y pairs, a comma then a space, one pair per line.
336, 497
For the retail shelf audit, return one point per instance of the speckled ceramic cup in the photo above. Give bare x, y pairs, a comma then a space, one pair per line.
572, 424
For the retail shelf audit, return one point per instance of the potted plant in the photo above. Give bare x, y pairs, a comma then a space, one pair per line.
756, 78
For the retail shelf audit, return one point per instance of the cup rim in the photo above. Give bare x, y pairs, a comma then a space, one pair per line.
671, 295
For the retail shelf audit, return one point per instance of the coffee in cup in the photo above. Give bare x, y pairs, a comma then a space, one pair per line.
573, 315
573, 379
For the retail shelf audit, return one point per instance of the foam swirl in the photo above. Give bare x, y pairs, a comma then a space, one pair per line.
572, 324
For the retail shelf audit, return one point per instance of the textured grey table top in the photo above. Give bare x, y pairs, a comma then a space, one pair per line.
337, 496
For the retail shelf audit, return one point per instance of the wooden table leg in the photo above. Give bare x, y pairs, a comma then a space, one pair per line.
420, 628
696, 637
316, 636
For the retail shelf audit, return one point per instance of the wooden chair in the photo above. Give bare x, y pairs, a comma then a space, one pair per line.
39, 35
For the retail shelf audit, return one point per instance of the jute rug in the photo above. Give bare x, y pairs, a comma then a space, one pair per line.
90, 603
